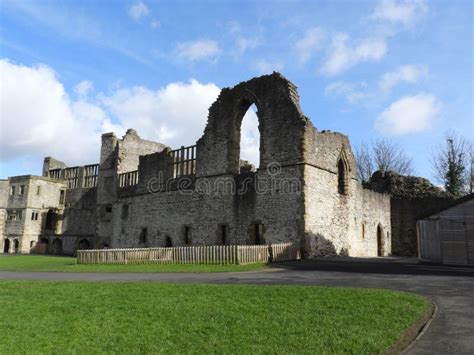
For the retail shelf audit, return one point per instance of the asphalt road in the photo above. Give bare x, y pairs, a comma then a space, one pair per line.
451, 288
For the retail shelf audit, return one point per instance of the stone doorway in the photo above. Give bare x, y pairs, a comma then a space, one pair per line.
57, 247
6, 246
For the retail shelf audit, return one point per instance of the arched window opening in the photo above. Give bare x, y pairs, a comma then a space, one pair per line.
342, 177
16, 246
84, 245
168, 242
249, 158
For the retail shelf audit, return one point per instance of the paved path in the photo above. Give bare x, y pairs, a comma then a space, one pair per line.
451, 288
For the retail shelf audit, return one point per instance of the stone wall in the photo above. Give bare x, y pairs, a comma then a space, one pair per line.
4, 191
131, 147
341, 223
411, 198
80, 215
211, 205
304, 190
39, 195
293, 196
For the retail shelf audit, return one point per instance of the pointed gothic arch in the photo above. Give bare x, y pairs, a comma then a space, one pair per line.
280, 123
343, 169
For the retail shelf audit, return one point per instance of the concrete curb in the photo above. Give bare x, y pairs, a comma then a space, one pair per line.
415, 332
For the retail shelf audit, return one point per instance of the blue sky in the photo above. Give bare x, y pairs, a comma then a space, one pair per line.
71, 70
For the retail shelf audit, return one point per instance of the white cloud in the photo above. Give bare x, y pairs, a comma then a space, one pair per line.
83, 88
155, 24
243, 44
410, 114
308, 44
233, 27
263, 66
39, 119
405, 73
352, 92
344, 55
198, 50
138, 11
174, 115
404, 12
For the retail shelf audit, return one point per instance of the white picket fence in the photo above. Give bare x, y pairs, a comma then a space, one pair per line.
213, 254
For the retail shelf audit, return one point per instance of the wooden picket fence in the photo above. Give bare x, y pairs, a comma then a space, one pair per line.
212, 254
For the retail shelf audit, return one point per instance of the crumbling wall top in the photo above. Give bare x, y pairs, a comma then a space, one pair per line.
405, 187
281, 125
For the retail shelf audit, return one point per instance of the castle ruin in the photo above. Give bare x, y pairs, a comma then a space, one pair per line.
145, 194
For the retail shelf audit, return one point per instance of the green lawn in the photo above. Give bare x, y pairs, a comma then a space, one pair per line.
58, 263
136, 317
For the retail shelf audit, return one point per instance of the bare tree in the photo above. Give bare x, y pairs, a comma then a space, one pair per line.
365, 163
470, 172
383, 155
390, 156
452, 164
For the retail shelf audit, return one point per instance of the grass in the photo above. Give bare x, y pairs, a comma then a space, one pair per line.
61, 263
135, 317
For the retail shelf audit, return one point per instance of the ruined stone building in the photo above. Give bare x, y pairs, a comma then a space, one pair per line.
144, 194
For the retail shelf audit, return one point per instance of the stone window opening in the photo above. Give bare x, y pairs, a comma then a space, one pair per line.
187, 235
14, 215
363, 230
168, 242
257, 231
249, 145
22, 190
342, 175
12, 190
61, 197
38, 190
34, 216
144, 235
222, 234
